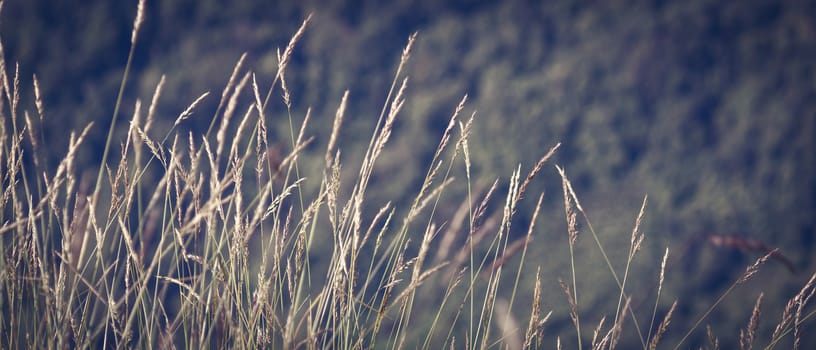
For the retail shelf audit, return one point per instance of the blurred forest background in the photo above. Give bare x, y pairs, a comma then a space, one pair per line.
709, 107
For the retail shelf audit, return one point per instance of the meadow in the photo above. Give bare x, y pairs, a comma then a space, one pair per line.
228, 238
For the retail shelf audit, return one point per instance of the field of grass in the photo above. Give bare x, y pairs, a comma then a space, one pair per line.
214, 240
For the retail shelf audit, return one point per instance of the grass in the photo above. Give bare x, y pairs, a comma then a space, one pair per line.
211, 240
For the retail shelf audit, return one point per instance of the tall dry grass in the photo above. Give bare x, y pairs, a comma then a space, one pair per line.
220, 250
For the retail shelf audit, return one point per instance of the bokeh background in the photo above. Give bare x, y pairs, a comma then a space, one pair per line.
709, 107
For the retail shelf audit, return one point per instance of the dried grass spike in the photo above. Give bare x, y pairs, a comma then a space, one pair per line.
747, 336
751, 270
189, 111
571, 301
38, 99
537, 168
663, 327
137, 23
151, 111
338, 121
